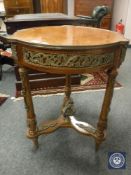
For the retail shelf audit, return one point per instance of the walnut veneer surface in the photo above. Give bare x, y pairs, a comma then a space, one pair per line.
68, 36
68, 50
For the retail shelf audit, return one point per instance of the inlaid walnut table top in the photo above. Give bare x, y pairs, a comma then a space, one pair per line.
68, 50
68, 36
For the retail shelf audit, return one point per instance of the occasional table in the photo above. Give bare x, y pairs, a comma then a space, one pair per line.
68, 50
22, 21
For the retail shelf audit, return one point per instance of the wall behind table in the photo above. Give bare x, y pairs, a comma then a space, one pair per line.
2, 9
2, 6
122, 10
71, 7
128, 23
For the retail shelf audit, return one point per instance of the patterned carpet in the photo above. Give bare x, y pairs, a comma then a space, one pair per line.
94, 81
3, 98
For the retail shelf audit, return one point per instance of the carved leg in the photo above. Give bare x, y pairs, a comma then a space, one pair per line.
68, 105
31, 119
102, 123
67, 88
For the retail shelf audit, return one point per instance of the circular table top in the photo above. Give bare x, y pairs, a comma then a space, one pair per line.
68, 36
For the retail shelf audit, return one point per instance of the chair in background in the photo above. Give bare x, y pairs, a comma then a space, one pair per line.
98, 14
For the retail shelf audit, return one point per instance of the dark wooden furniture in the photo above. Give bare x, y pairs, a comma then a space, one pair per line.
40, 82
85, 7
82, 7
46, 19
14, 7
69, 50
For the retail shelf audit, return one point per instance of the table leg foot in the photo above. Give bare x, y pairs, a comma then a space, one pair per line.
97, 146
100, 137
35, 143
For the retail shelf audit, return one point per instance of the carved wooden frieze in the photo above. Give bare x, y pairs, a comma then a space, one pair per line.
14, 52
67, 60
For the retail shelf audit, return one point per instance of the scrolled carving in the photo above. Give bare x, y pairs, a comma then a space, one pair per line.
67, 60
68, 108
